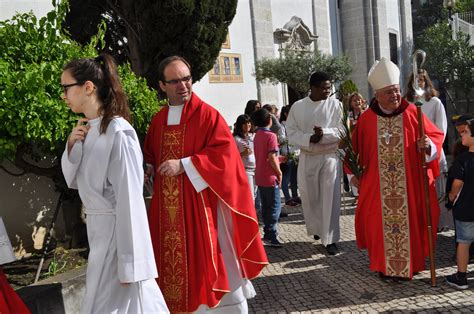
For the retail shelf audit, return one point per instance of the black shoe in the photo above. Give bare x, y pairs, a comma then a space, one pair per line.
291, 203
331, 249
383, 276
283, 214
456, 282
273, 242
386, 278
316, 237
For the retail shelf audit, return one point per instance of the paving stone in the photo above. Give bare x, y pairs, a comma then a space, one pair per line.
303, 279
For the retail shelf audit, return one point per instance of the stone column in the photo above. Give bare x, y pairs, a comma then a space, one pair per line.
406, 37
263, 46
358, 40
321, 26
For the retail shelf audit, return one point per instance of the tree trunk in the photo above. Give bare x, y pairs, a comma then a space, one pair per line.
126, 10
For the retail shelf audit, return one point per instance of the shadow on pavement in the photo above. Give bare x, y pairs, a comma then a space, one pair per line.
301, 277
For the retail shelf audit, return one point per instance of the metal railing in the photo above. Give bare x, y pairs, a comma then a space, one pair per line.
463, 22
467, 17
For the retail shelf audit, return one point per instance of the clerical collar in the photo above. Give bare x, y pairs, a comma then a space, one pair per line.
377, 109
386, 111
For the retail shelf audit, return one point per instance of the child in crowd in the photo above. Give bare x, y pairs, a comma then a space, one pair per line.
276, 126
460, 122
268, 175
462, 195
357, 105
291, 166
243, 137
433, 108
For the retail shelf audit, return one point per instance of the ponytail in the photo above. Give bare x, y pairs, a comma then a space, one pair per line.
102, 71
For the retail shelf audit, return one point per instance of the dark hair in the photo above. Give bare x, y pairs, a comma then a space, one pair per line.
102, 71
243, 118
285, 110
262, 118
251, 107
470, 125
462, 119
430, 91
318, 77
166, 61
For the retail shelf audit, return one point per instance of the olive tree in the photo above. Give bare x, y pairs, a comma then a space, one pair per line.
295, 67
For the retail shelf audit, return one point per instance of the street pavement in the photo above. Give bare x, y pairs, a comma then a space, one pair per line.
301, 278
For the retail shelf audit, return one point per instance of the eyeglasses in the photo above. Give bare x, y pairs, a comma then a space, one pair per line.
185, 79
67, 86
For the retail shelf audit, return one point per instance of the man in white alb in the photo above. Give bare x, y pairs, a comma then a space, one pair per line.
314, 125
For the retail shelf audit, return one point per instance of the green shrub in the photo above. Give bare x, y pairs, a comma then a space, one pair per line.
34, 120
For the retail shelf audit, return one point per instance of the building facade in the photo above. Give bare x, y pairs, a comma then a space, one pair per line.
365, 30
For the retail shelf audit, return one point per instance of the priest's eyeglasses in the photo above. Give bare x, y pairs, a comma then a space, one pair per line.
185, 79
67, 86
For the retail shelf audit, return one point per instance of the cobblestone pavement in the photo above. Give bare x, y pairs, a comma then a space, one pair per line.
302, 278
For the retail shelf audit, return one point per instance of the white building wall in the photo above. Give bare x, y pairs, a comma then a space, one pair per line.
284, 10
230, 98
9, 8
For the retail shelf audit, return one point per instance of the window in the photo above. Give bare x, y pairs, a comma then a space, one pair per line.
227, 69
393, 48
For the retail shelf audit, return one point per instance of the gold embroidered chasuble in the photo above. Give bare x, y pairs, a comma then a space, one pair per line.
393, 191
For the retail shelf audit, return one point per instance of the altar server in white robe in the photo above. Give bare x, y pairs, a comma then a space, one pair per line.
103, 160
433, 108
314, 125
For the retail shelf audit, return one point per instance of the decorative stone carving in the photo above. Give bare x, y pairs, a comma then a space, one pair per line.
294, 35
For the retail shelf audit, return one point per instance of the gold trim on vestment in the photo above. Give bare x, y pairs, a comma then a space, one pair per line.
209, 234
393, 194
174, 273
253, 239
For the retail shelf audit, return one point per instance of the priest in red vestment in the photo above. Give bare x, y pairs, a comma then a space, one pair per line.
390, 220
202, 217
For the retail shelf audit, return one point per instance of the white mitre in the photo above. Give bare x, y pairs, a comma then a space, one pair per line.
383, 73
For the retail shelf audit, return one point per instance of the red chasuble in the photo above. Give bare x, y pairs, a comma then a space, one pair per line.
390, 217
10, 302
183, 223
